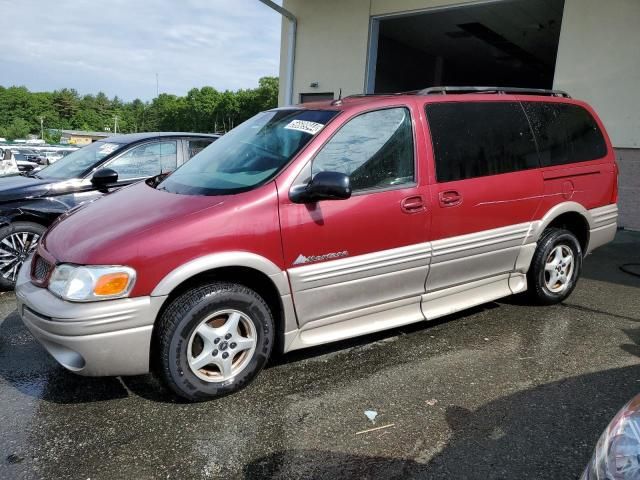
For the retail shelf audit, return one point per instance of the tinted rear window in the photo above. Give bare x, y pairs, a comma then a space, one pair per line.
565, 133
478, 139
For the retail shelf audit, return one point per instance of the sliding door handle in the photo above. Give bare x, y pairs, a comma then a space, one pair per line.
450, 198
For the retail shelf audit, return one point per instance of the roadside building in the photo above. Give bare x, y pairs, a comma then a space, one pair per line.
80, 137
588, 48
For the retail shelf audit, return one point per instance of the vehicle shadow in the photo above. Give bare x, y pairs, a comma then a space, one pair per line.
26, 365
545, 432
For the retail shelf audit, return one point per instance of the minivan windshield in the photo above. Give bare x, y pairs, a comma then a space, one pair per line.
249, 155
76, 163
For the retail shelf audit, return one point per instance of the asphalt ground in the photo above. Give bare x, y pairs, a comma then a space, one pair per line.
505, 390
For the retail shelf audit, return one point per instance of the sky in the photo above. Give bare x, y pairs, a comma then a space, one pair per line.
118, 46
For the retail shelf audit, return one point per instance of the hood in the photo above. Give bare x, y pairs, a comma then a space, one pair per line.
154, 231
17, 187
112, 223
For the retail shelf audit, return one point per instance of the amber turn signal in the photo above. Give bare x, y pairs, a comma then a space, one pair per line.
111, 284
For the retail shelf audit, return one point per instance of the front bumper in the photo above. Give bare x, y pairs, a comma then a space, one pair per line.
111, 337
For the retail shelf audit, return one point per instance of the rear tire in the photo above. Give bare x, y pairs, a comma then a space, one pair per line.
18, 240
555, 267
213, 340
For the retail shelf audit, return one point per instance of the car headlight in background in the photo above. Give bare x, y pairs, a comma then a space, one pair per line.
88, 283
617, 454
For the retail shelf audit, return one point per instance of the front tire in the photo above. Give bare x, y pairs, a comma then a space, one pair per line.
555, 267
18, 240
214, 340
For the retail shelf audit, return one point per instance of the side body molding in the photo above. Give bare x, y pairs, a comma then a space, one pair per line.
219, 260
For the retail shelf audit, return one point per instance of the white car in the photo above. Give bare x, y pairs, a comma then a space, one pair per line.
53, 156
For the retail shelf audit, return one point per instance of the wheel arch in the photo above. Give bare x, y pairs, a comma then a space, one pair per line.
250, 270
22, 215
571, 216
29, 217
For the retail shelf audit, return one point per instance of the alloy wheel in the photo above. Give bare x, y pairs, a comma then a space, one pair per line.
14, 250
222, 345
558, 269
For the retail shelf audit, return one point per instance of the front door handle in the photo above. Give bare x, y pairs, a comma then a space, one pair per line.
412, 204
450, 198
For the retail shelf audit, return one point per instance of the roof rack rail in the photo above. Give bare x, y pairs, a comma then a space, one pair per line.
365, 95
498, 90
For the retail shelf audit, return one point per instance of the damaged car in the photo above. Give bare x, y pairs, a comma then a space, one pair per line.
30, 202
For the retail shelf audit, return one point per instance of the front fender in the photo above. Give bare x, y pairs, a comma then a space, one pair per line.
30, 213
219, 260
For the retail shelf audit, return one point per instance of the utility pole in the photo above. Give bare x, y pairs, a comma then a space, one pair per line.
157, 86
41, 128
115, 124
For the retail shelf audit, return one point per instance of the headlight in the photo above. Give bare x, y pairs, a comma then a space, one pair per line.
617, 454
86, 284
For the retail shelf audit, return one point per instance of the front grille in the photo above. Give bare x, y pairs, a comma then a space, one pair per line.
41, 269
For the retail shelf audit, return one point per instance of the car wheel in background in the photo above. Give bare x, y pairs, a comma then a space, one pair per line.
18, 240
213, 340
555, 267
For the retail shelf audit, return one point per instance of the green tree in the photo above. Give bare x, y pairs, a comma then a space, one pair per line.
66, 102
18, 128
52, 136
201, 110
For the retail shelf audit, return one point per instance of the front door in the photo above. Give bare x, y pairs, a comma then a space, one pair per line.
370, 253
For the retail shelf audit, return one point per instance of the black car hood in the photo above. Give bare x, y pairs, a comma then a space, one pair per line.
16, 187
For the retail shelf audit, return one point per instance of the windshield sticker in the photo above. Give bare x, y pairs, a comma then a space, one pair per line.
108, 148
305, 126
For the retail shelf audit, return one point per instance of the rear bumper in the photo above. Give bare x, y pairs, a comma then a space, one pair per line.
111, 337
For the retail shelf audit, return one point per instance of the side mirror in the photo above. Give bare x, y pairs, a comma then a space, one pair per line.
324, 186
104, 178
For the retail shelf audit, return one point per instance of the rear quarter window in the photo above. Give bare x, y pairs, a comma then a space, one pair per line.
476, 139
197, 145
565, 133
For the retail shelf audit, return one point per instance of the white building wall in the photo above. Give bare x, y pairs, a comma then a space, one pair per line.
599, 61
331, 46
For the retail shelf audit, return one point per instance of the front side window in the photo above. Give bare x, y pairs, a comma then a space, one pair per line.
565, 133
476, 139
146, 160
74, 164
375, 149
250, 154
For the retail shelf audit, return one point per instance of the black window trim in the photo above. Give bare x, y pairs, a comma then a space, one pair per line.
309, 166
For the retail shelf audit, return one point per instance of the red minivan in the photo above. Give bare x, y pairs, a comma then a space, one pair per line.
320, 222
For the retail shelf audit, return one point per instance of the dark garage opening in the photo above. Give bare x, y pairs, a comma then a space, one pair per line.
510, 43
